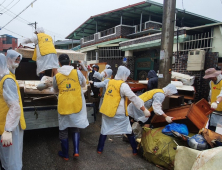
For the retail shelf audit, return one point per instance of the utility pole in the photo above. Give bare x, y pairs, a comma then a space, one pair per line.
167, 39
35, 23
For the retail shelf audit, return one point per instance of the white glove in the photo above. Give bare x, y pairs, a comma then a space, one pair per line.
214, 105
91, 82
6, 139
169, 119
146, 113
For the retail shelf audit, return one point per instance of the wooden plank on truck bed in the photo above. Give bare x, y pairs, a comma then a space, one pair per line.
28, 53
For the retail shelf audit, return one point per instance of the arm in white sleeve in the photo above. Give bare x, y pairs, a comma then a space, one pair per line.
82, 80
54, 83
220, 95
126, 91
98, 76
10, 95
209, 97
99, 84
83, 67
158, 99
34, 40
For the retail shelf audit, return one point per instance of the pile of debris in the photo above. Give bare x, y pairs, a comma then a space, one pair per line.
189, 132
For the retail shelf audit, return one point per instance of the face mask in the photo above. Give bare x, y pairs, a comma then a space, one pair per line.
15, 65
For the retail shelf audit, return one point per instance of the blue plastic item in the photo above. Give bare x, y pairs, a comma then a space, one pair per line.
197, 142
180, 128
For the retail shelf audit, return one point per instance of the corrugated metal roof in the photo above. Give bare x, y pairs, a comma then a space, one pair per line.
66, 42
131, 16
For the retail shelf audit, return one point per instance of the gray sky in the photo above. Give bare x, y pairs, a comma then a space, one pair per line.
61, 17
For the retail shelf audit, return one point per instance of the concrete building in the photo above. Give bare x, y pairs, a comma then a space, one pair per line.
66, 44
132, 36
7, 41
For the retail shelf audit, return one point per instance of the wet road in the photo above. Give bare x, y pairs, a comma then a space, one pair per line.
41, 152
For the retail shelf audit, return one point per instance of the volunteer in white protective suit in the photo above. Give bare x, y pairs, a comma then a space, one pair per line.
13, 60
12, 121
107, 76
71, 105
101, 75
115, 118
153, 100
44, 53
215, 97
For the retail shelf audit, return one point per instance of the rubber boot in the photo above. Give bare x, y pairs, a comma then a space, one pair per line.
75, 140
65, 149
101, 143
132, 143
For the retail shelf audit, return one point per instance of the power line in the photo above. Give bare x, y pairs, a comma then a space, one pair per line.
18, 14
2, 2
9, 4
15, 33
12, 6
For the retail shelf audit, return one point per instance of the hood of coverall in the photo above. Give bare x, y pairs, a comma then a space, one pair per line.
11, 57
122, 73
151, 74
3, 66
108, 66
40, 30
169, 90
109, 73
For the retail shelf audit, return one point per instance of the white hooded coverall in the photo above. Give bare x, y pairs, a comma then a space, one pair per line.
11, 157
120, 124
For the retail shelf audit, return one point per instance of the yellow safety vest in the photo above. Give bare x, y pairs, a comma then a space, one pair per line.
4, 107
112, 99
215, 91
46, 45
149, 95
70, 96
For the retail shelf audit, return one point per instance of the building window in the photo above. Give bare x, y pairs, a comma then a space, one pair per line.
91, 55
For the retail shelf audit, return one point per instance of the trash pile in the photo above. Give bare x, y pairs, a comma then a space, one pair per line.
189, 132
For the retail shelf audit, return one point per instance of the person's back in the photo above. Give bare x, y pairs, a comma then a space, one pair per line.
152, 80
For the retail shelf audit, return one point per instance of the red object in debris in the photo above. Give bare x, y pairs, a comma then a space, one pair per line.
134, 89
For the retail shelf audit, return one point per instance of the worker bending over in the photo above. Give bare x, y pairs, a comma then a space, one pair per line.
71, 105
44, 53
12, 121
215, 96
153, 100
115, 118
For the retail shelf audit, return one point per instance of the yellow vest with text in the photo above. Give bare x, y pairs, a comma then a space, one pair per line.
70, 96
4, 107
112, 99
46, 45
149, 95
215, 91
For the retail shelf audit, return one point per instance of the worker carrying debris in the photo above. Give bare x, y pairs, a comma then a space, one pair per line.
71, 105
215, 95
153, 100
115, 118
44, 53
107, 76
12, 121
95, 68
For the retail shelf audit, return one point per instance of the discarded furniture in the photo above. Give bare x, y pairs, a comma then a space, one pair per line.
195, 116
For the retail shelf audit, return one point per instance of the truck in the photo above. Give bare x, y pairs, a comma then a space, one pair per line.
40, 107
